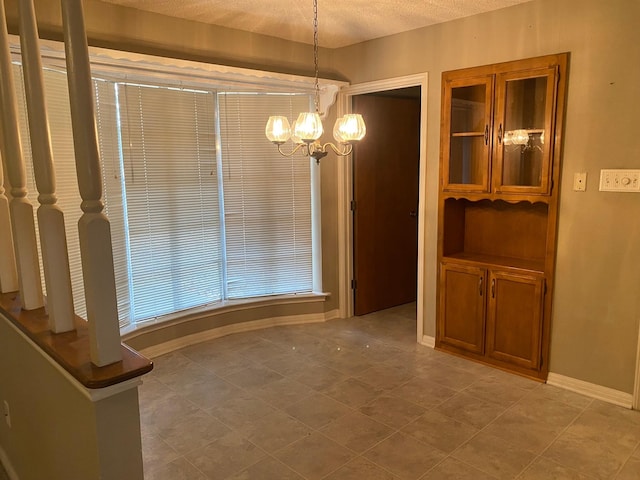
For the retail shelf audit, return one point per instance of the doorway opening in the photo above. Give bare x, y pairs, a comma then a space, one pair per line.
418, 83
386, 166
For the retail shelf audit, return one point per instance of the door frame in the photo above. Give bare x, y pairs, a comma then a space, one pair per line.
345, 195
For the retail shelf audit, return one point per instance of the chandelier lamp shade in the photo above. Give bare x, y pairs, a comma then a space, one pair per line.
307, 129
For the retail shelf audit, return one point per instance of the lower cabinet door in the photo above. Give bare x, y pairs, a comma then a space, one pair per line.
514, 318
462, 307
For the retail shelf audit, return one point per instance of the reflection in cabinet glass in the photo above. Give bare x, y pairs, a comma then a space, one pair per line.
524, 126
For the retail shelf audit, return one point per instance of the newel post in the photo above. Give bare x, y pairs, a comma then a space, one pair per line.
23, 226
93, 226
53, 241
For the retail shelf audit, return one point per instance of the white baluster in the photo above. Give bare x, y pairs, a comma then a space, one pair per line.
53, 241
93, 226
24, 233
8, 272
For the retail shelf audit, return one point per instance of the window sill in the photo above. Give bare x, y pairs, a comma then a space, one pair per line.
170, 332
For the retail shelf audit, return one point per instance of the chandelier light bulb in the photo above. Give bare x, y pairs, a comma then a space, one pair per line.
308, 127
278, 130
349, 128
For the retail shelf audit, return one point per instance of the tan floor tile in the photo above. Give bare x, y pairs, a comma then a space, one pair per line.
494, 456
550, 392
241, 410
522, 432
290, 364
166, 413
356, 431
345, 361
317, 410
283, 392
452, 469
545, 469
404, 456
353, 392
320, 377
552, 412
179, 469
275, 431
590, 451
440, 431
315, 456
253, 377
470, 410
393, 411
267, 469
212, 392
492, 390
361, 469
630, 471
191, 433
448, 376
226, 456
385, 377
156, 453
423, 392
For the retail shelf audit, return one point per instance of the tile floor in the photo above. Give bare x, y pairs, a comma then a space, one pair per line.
360, 399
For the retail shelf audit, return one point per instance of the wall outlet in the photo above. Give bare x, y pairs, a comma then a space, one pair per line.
579, 182
7, 413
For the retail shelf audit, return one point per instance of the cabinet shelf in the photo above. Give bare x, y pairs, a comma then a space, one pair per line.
467, 134
479, 259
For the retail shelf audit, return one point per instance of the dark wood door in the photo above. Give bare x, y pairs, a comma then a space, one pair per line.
385, 185
514, 322
461, 321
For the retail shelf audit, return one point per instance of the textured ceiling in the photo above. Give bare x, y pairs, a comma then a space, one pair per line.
341, 22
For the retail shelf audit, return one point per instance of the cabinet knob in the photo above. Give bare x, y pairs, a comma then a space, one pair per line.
493, 288
486, 134
500, 134
413, 213
480, 286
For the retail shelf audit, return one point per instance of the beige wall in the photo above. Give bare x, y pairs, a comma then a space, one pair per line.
597, 294
596, 300
56, 432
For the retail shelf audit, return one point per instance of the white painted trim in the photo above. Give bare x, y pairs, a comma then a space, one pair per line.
428, 341
195, 338
8, 467
345, 194
92, 394
118, 65
636, 388
592, 390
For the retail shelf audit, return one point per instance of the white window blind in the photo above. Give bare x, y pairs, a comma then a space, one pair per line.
173, 219
191, 223
267, 199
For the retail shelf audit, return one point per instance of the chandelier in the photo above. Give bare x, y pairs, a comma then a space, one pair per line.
307, 129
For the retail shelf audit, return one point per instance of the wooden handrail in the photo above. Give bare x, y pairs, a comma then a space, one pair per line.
71, 349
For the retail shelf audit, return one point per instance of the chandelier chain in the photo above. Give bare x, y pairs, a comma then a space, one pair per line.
315, 56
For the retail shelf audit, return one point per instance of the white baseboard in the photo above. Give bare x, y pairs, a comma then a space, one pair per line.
428, 341
187, 340
4, 459
592, 390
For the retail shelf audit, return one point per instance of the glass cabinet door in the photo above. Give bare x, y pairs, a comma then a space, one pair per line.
523, 131
466, 134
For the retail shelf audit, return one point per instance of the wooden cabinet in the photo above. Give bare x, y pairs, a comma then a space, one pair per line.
501, 134
492, 311
497, 127
462, 306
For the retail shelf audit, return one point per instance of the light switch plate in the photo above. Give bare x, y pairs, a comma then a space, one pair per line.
620, 180
579, 182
